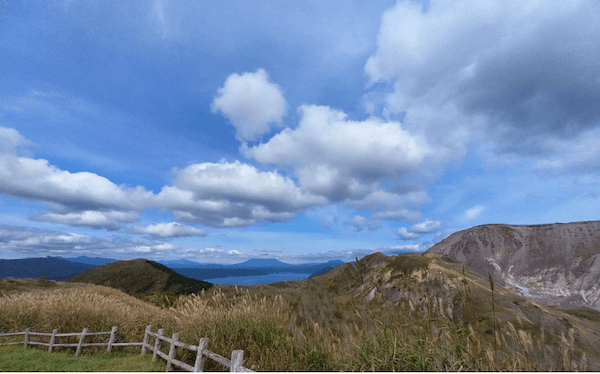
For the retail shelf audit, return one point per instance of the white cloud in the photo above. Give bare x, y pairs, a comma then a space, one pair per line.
111, 220
28, 242
169, 230
156, 247
36, 179
404, 234
77, 199
474, 211
11, 140
392, 206
334, 153
210, 250
426, 226
234, 194
511, 73
407, 248
235, 252
360, 223
237, 182
418, 230
251, 103
349, 161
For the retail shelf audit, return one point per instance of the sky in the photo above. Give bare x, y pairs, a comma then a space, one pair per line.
304, 131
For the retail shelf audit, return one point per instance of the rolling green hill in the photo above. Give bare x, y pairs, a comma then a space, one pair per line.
141, 277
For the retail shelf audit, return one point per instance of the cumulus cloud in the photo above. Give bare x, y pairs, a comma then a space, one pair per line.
11, 141
110, 220
474, 211
418, 230
154, 248
29, 242
426, 226
37, 180
338, 157
168, 230
360, 223
392, 206
349, 161
509, 72
216, 194
235, 252
234, 194
404, 234
251, 103
210, 250
78, 199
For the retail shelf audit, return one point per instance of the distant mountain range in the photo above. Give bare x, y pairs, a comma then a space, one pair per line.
60, 268
54, 268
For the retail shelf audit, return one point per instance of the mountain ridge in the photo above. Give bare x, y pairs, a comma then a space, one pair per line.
558, 264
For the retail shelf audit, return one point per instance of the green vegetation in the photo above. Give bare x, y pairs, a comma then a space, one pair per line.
19, 358
147, 280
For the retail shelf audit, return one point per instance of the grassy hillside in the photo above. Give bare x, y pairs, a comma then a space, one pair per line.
141, 278
410, 312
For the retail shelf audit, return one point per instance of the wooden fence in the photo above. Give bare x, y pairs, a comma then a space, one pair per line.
235, 364
28, 333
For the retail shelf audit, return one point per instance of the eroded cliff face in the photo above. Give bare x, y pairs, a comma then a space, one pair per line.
557, 264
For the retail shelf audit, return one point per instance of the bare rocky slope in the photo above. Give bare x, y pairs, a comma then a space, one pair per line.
558, 264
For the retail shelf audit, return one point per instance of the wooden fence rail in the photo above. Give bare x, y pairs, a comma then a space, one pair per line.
28, 333
235, 364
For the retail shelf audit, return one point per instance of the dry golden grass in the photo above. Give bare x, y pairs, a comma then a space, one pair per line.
319, 331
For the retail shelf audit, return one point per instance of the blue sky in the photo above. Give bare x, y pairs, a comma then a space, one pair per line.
303, 131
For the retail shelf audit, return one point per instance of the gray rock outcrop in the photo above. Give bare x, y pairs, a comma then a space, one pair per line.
558, 264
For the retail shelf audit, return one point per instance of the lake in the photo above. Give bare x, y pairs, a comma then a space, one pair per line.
258, 279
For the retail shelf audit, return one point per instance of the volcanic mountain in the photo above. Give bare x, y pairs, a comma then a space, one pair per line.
558, 264
141, 277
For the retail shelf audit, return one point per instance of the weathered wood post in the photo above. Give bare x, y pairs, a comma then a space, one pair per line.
81, 340
157, 343
52, 340
237, 360
172, 351
113, 337
26, 341
200, 358
146, 339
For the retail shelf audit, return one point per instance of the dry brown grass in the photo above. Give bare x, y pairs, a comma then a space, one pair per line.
318, 331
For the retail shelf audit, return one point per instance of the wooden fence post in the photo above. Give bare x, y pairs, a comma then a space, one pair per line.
81, 340
172, 351
200, 358
52, 340
26, 341
113, 337
157, 343
237, 360
146, 339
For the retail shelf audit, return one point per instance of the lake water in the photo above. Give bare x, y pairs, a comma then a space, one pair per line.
258, 279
